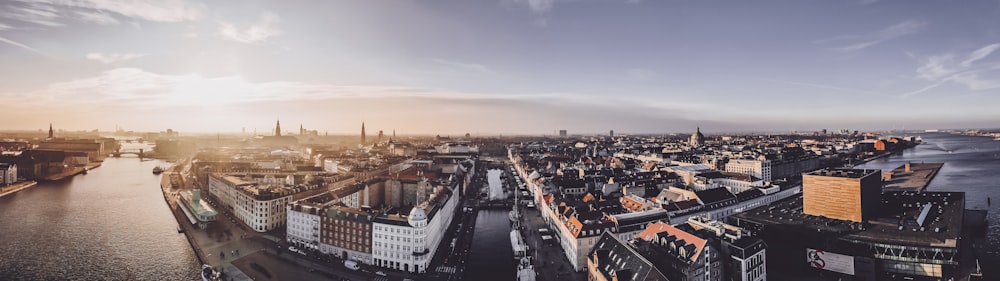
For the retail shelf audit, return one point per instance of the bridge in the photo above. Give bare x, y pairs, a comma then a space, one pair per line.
135, 151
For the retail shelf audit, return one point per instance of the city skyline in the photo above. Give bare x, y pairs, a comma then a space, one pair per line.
505, 66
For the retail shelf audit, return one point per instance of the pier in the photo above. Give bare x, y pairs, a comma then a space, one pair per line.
911, 177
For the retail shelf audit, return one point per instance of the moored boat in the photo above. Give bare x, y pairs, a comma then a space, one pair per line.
209, 274
525, 270
157, 170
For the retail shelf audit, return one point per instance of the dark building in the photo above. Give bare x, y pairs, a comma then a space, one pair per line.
613, 259
909, 236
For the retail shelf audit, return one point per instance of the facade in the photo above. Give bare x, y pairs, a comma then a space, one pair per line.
753, 167
199, 212
261, 207
407, 242
771, 169
843, 194
8, 174
347, 234
303, 219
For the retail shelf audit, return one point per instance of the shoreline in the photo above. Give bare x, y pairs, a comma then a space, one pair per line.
18, 187
178, 217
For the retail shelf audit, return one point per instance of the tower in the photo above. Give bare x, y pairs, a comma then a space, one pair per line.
277, 128
302, 130
362, 133
697, 139
51, 133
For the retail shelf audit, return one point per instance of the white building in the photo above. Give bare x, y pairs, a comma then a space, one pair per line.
304, 224
261, 207
330, 165
8, 173
408, 243
757, 168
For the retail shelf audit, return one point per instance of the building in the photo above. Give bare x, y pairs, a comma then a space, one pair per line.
347, 233
744, 256
303, 219
843, 194
408, 241
697, 139
94, 149
260, 203
199, 212
613, 259
771, 167
910, 236
8, 174
562, 133
699, 249
680, 255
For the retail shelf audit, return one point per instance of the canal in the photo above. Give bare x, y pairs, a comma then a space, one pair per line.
110, 224
492, 257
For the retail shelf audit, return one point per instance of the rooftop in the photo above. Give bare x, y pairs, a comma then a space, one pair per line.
844, 173
896, 222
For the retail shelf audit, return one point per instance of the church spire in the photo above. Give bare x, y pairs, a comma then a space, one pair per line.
362, 133
277, 128
51, 133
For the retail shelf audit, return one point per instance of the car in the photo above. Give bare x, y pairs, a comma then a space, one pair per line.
380, 273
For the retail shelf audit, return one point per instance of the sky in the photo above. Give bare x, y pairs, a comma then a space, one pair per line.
490, 67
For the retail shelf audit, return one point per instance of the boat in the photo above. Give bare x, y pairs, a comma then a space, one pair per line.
979, 270
209, 274
517, 244
157, 170
525, 270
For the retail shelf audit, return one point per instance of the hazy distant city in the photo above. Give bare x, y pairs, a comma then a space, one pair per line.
499, 140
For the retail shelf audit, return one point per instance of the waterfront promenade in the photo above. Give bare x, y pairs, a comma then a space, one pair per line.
13, 188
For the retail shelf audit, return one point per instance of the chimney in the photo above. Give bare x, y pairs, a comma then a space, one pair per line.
906, 167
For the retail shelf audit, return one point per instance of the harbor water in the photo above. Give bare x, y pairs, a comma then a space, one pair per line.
971, 165
109, 224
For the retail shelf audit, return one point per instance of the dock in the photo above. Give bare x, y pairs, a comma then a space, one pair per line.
911, 176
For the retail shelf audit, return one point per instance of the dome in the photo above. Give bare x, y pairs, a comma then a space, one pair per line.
697, 138
417, 214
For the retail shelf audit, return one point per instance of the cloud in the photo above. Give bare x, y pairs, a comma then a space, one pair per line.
258, 32
96, 17
197, 100
537, 6
42, 14
49, 13
944, 69
818, 86
980, 54
190, 35
463, 66
542, 6
23, 46
857, 42
113, 57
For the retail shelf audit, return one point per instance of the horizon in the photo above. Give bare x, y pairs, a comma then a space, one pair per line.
500, 67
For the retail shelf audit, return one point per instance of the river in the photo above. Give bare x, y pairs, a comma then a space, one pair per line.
971, 165
110, 224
